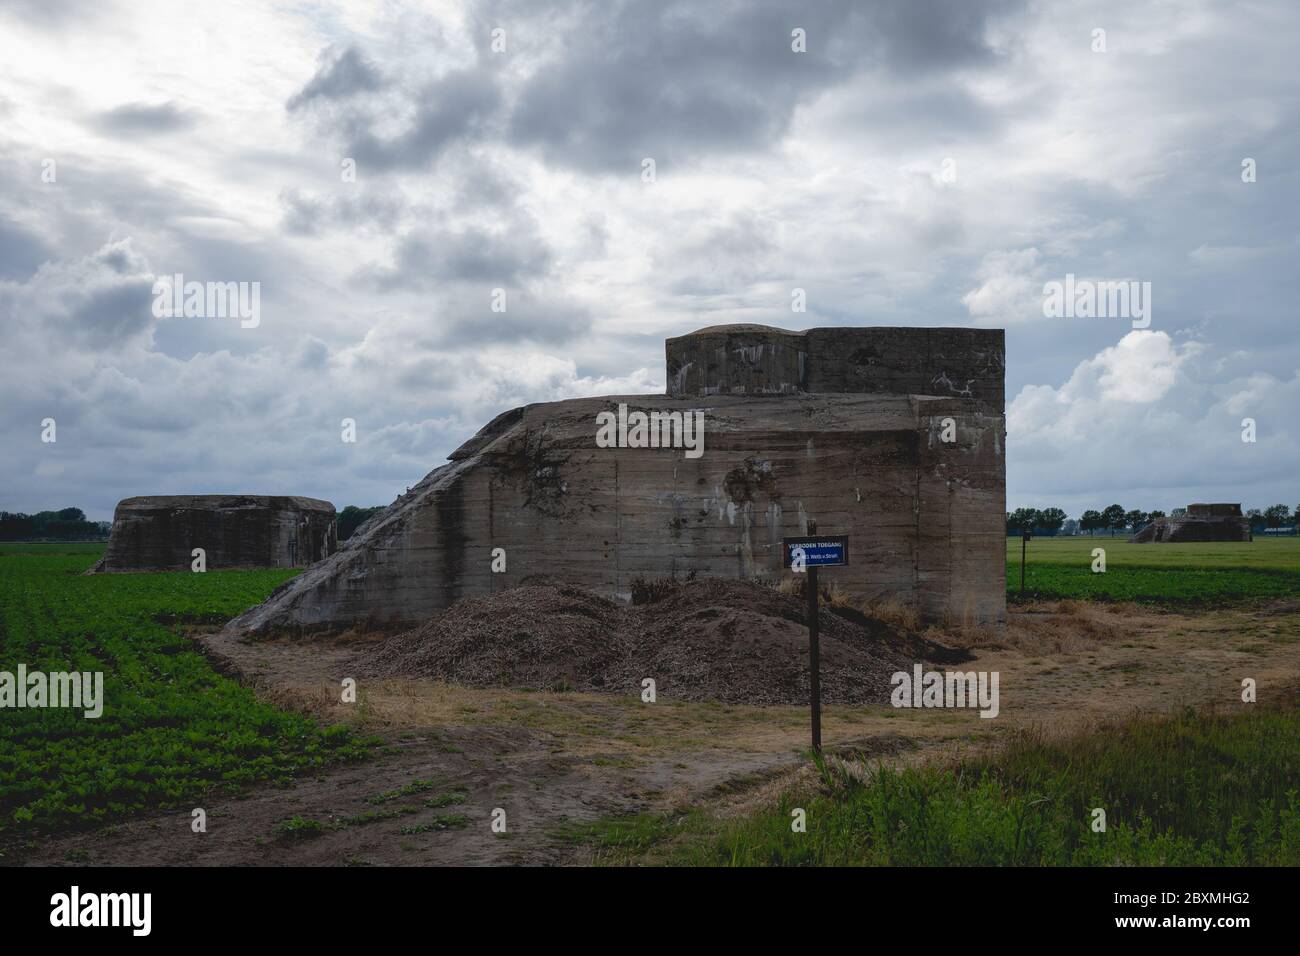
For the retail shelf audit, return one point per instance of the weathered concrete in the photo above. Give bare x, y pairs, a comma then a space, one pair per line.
1203, 522
925, 516
160, 532
757, 360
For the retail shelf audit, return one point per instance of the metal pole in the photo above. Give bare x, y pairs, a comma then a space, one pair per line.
814, 661
1024, 544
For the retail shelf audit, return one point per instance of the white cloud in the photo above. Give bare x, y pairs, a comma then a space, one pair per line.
1103, 391
1008, 291
1141, 368
1147, 419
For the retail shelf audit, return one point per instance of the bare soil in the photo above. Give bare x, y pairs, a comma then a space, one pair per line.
550, 759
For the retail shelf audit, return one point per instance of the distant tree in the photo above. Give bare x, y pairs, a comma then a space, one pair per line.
1155, 514
1091, 521
1071, 527
70, 524
1050, 520
1257, 520
16, 527
1022, 519
1277, 515
1178, 513
1113, 518
352, 517
1135, 519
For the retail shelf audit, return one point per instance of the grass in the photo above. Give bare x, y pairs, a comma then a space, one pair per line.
1280, 554
172, 728
95, 548
296, 829
1186, 574
443, 821
415, 786
446, 799
1193, 789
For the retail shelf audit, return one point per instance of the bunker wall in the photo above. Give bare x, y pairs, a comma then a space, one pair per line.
757, 360
160, 533
925, 517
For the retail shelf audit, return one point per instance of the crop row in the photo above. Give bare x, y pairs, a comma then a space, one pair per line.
172, 728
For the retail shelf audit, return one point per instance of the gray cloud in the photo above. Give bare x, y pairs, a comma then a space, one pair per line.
342, 74
307, 214
634, 80
674, 82
145, 119
55, 13
470, 255
477, 169
100, 302
452, 108
20, 251
539, 318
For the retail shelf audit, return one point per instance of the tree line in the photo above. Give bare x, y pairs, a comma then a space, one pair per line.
68, 524
1052, 521
352, 517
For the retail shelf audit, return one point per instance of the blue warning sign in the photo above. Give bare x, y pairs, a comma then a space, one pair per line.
816, 551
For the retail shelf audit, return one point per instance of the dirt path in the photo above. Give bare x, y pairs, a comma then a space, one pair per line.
551, 761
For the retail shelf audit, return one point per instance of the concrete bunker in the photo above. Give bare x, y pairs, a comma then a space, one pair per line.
1200, 522
160, 532
895, 436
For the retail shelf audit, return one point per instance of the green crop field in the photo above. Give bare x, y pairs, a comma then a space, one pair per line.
1206, 573
172, 728
54, 547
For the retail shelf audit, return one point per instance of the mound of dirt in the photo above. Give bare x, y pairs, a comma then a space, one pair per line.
711, 639
738, 642
538, 636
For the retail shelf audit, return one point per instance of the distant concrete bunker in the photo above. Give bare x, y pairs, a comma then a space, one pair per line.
160, 532
894, 436
1200, 522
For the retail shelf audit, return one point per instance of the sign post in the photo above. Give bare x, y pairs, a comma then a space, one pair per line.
806, 555
1024, 545
814, 661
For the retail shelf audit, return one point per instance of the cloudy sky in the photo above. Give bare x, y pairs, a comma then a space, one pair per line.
922, 163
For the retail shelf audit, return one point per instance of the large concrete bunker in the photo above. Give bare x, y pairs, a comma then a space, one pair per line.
1199, 522
895, 436
160, 532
